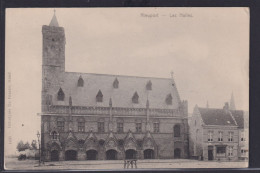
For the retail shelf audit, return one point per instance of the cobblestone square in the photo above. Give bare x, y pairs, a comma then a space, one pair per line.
14, 164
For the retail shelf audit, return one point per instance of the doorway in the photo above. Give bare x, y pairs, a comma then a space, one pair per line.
177, 153
54, 155
210, 154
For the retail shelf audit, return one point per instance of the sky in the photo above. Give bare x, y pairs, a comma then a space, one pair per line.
208, 51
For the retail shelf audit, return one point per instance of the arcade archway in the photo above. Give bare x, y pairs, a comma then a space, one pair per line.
148, 154
130, 154
111, 154
71, 155
91, 155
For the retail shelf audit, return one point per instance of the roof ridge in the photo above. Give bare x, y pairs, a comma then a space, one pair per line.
114, 75
232, 117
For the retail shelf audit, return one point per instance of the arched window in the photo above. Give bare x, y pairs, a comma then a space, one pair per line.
99, 97
177, 130
54, 135
60, 95
135, 98
149, 85
116, 83
168, 99
80, 82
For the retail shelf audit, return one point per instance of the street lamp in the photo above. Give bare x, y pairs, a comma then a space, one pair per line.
38, 136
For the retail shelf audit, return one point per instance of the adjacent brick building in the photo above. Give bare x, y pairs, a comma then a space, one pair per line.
215, 133
98, 116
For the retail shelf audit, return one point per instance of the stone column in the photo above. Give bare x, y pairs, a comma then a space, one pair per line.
110, 123
147, 128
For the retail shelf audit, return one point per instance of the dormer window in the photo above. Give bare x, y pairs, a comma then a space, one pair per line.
168, 99
80, 82
99, 97
115, 83
149, 85
135, 98
60, 95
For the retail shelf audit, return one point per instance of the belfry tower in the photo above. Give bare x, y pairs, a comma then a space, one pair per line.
53, 58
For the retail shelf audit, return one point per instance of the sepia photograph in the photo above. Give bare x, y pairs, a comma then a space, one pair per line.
126, 88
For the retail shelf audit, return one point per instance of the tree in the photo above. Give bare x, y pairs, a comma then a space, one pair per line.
20, 146
33, 144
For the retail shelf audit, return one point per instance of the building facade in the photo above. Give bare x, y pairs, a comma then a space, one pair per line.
105, 117
215, 133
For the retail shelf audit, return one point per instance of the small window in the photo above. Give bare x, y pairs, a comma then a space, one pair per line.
230, 151
80, 82
101, 127
120, 127
242, 136
230, 136
221, 150
116, 83
168, 99
60, 95
210, 136
54, 135
220, 136
60, 125
177, 131
135, 98
138, 127
149, 85
81, 126
156, 128
99, 97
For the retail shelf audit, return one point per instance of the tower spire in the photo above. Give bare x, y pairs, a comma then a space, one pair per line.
54, 21
232, 102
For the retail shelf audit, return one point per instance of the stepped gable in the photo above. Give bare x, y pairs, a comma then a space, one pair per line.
121, 96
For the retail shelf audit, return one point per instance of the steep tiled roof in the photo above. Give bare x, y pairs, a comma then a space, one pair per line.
239, 117
212, 116
121, 96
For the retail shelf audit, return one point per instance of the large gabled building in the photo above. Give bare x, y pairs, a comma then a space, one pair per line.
98, 116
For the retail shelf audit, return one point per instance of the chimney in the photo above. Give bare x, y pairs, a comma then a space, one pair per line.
226, 107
